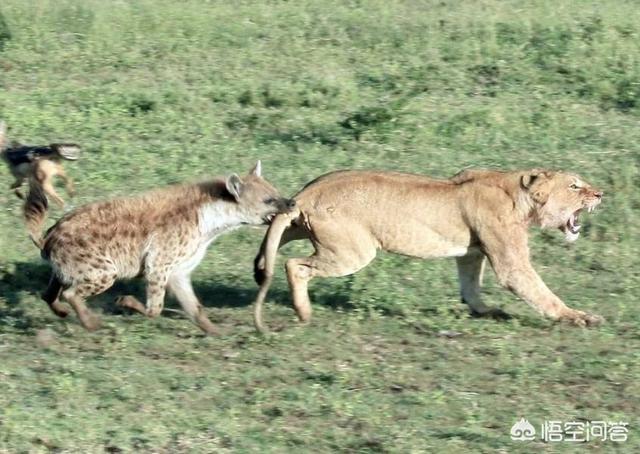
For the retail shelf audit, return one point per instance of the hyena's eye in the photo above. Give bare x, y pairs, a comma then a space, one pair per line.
269, 201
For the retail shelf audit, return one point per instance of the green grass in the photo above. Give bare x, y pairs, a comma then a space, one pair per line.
159, 92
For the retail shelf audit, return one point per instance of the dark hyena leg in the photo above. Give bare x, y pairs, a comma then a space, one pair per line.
180, 286
51, 297
16, 187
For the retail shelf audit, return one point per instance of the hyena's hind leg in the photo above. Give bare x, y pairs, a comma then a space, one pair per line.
78, 292
180, 286
470, 272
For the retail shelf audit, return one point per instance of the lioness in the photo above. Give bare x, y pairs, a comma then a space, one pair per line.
476, 214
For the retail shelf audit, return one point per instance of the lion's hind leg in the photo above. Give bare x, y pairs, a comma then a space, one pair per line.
338, 253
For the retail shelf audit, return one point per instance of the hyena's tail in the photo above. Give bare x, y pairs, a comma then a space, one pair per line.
35, 211
265, 262
51, 295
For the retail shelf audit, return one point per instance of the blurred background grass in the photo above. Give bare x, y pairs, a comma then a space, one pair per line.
159, 92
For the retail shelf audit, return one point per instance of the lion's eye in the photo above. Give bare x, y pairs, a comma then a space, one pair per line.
574, 186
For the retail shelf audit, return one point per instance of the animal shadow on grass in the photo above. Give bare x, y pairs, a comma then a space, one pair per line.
27, 277
33, 277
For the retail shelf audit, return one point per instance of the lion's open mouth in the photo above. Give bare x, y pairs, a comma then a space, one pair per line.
573, 225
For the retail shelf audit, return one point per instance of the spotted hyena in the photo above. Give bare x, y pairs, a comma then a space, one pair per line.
162, 235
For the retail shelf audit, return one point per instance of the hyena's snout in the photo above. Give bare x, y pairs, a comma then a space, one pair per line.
286, 205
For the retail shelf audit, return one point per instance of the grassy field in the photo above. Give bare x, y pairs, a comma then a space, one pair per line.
158, 92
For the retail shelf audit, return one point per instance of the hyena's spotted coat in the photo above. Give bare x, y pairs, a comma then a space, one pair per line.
162, 235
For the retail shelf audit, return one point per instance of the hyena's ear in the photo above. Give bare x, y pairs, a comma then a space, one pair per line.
234, 186
257, 169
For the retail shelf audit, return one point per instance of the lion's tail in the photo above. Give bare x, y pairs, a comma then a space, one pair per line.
35, 211
265, 262
3, 136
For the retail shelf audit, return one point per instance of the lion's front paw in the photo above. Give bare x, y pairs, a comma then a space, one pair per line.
580, 318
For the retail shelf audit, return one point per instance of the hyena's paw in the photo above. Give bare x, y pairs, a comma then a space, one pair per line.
153, 311
89, 321
585, 319
58, 308
205, 324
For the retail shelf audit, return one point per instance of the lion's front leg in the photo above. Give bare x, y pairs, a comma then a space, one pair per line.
509, 256
470, 272
517, 274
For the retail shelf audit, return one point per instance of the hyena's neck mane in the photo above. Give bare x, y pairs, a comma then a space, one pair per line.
217, 210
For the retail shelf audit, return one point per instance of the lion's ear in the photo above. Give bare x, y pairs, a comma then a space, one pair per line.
527, 180
541, 193
531, 177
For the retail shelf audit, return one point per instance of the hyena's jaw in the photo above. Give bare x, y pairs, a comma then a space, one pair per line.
283, 206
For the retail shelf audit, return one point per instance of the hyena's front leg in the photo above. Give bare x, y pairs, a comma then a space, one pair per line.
180, 286
156, 289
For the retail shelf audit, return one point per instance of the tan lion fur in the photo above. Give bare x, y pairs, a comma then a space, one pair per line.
475, 215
